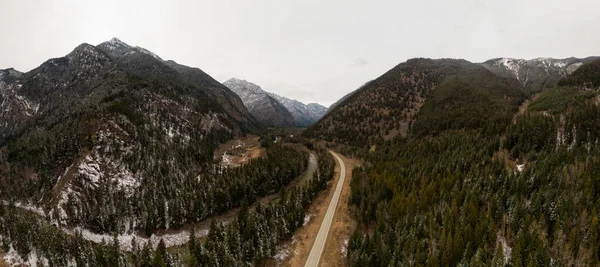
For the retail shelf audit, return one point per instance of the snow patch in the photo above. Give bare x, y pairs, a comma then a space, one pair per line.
12, 258
521, 167
282, 254
506, 250
33, 259
90, 169
227, 162
115, 44
283, 251
211, 121
125, 240
560, 64
344, 248
307, 218
512, 65
147, 52
30, 208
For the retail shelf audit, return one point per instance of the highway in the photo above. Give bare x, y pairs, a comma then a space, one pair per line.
319, 246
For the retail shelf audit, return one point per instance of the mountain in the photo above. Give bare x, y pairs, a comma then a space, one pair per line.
304, 114
587, 76
341, 100
105, 125
536, 74
476, 182
421, 97
266, 109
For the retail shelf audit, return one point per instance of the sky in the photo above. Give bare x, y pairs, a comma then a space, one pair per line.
310, 50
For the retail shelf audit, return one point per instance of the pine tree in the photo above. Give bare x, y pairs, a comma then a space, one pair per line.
160, 255
193, 248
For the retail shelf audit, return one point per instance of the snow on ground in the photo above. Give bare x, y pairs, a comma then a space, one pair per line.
12, 258
560, 64
283, 251
90, 168
521, 167
211, 121
506, 250
29, 107
226, 161
11, 100
29, 207
175, 239
147, 52
307, 218
125, 240
34, 258
282, 254
512, 65
93, 170
344, 248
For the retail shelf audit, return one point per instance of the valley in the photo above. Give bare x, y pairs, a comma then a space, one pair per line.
238, 152
113, 156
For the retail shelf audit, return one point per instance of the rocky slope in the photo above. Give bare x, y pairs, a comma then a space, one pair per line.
266, 109
304, 114
110, 124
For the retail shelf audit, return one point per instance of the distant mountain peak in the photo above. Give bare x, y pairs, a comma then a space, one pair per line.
116, 43
117, 48
116, 40
83, 55
265, 108
244, 85
537, 73
10, 72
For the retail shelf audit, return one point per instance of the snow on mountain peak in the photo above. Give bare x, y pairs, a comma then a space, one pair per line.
147, 52
116, 41
243, 86
511, 64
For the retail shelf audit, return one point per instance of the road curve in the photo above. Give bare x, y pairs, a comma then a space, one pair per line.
317, 250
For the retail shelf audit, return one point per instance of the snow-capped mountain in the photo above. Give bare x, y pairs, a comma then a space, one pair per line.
117, 48
535, 74
304, 114
266, 109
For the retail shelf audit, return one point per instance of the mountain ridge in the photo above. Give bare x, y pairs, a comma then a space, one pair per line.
266, 109
304, 114
101, 126
536, 74
254, 97
390, 105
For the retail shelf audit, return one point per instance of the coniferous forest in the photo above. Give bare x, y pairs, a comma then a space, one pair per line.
112, 156
249, 239
524, 195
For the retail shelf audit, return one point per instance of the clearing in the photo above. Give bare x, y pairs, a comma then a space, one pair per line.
238, 152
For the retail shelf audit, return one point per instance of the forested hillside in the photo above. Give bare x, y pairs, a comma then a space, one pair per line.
421, 96
249, 239
107, 136
491, 193
265, 108
587, 76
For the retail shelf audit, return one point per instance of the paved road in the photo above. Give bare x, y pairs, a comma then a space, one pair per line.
317, 250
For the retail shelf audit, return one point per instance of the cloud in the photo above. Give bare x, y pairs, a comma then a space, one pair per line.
359, 62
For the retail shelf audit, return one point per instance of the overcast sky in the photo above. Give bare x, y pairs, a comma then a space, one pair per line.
310, 50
